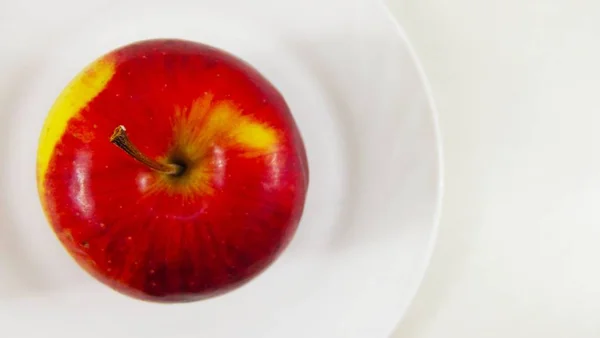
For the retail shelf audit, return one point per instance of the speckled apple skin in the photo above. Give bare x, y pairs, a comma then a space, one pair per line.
154, 236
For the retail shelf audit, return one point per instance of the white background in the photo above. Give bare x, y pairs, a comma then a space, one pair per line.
516, 83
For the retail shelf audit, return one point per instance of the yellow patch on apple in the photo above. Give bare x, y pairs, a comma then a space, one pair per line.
75, 96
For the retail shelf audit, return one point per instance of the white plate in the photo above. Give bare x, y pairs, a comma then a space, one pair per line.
361, 102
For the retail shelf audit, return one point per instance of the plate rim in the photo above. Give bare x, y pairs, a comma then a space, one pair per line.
423, 267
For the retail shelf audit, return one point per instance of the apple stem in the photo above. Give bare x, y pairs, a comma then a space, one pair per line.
121, 140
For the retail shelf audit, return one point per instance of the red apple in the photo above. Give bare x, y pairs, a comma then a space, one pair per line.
200, 194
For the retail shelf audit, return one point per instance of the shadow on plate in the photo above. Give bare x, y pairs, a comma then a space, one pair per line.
18, 268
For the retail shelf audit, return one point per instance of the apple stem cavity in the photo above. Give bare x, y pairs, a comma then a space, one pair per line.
121, 140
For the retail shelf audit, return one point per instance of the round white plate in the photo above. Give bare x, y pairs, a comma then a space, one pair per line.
362, 105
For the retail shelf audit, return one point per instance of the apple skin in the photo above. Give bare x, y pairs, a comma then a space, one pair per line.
160, 237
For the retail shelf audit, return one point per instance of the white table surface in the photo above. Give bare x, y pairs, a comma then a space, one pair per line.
516, 83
